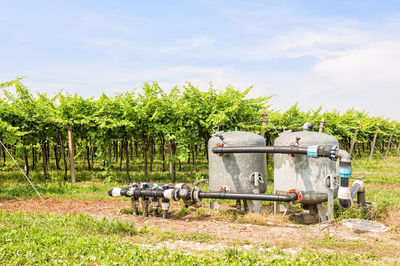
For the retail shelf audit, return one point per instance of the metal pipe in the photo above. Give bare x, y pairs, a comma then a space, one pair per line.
149, 193
189, 196
312, 197
129, 192
185, 193
354, 190
358, 188
236, 196
361, 199
311, 151
258, 149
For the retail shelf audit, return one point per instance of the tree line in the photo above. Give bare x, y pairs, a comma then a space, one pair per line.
178, 123
151, 123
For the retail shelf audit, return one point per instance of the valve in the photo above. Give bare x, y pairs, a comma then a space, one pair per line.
219, 134
256, 178
334, 150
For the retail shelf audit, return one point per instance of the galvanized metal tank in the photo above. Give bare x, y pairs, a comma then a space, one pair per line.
237, 171
316, 178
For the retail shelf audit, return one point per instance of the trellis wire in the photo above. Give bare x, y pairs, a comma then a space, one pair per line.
33, 186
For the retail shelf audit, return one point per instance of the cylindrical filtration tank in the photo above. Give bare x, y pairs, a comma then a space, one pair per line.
244, 172
316, 178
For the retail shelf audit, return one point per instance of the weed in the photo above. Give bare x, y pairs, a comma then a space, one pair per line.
253, 218
200, 213
181, 213
126, 211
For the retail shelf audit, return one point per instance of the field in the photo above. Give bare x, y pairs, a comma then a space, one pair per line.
75, 149
201, 107
80, 224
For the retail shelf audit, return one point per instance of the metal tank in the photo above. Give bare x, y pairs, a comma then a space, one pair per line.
242, 173
315, 178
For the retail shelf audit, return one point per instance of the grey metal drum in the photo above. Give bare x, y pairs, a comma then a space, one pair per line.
314, 177
244, 172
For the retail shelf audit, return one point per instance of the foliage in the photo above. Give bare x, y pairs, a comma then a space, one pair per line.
147, 118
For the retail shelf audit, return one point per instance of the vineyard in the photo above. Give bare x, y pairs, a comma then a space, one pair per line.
75, 149
199, 133
130, 131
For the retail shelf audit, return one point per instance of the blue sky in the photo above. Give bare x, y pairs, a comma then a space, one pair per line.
338, 54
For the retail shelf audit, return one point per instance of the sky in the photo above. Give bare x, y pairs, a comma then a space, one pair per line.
334, 54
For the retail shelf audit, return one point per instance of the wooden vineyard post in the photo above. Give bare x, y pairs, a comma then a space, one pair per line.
63, 154
264, 123
171, 154
354, 137
26, 168
71, 154
398, 149
321, 125
374, 141
390, 141
127, 161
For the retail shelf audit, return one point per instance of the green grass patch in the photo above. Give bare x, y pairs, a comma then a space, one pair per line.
82, 190
78, 239
382, 183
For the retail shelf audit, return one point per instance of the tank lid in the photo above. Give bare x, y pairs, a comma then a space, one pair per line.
305, 138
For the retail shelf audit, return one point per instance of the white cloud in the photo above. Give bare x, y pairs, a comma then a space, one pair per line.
353, 68
320, 42
375, 66
93, 81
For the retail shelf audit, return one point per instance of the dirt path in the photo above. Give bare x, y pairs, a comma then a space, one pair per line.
280, 232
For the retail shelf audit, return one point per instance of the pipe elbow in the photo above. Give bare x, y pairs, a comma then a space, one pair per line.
344, 156
360, 185
344, 195
308, 125
345, 204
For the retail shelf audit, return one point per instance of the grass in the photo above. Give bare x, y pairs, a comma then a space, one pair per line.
382, 184
378, 171
112, 173
83, 190
91, 184
78, 239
